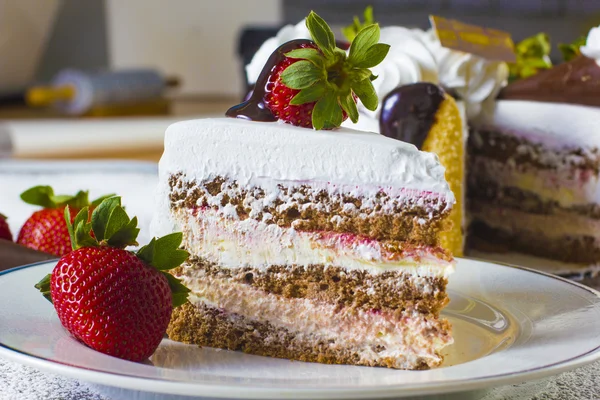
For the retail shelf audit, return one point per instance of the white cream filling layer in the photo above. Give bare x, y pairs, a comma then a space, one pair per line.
406, 338
568, 187
235, 243
556, 226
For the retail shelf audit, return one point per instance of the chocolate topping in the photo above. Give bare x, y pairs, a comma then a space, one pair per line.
408, 112
574, 82
255, 109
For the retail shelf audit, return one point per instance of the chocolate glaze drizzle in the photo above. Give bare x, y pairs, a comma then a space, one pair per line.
255, 109
573, 82
408, 112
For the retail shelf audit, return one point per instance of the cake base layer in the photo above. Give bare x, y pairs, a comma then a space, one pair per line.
204, 325
357, 289
579, 250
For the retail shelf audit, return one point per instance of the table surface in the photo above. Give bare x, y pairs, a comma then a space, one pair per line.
182, 107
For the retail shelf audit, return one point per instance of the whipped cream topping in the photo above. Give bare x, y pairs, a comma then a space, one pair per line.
266, 153
418, 56
592, 45
474, 79
220, 238
409, 60
545, 124
285, 34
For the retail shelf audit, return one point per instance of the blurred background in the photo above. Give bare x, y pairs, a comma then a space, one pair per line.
189, 57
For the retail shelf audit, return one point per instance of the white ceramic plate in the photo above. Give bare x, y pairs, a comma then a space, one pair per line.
510, 325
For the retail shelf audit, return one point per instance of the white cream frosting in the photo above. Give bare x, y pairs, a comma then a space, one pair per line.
285, 34
476, 80
405, 338
592, 45
231, 243
556, 126
264, 153
417, 56
409, 60
565, 185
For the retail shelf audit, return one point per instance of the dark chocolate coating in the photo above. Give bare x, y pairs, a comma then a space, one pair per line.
408, 112
573, 82
255, 109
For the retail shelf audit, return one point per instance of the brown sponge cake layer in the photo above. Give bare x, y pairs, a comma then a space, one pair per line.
503, 147
572, 249
411, 218
392, 290
208, 326
482, 190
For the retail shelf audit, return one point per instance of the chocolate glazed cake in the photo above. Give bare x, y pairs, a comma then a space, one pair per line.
534, 164
307, 249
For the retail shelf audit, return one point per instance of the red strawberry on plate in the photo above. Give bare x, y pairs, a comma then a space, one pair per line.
46, 230
113, 300
315, 84
4, 229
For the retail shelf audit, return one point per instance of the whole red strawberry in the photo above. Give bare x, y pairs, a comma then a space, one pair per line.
316, 84
4, 229
113, 300
46, 230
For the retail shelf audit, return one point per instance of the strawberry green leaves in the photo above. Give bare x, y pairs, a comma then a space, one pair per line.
301, 75
321, 33
571, 50
44, 287
331, 78
533, 55
351, 31
44, 196
110, 225
164, 254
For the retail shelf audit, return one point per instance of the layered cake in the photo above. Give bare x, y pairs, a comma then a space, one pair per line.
309, 241
532, 156
309, 245
534, 165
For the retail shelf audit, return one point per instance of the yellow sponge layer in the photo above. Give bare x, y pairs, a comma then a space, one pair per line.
446, 139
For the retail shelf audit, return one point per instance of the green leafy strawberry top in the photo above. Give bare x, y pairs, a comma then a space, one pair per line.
533, 54
352, 30
110, 225
571, 50
44, 196
331, 77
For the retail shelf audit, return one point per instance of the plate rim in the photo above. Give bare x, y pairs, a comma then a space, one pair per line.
205, 389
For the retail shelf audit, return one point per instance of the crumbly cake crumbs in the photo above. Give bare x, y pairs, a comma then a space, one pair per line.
420, 220
207, 326
335, 285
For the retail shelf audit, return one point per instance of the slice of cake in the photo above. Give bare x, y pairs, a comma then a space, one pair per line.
309, 242
534, 166
309, 245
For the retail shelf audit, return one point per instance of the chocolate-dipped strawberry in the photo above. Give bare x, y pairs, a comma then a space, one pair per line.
315, 84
